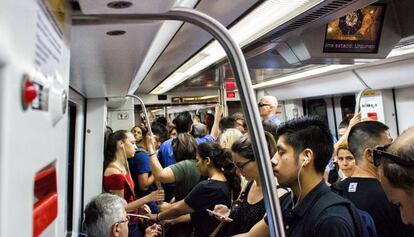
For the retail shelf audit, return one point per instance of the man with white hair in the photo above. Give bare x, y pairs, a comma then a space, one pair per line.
105, 216
267, 109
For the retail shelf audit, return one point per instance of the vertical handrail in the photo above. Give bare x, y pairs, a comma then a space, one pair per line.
243, 81
145, 111
360, 94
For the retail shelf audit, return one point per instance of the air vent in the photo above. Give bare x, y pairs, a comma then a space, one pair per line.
116, 32
317, 14
119, 4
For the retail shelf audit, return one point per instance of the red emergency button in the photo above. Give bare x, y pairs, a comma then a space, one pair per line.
29, 92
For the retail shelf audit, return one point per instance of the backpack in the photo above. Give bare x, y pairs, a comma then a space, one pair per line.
363, 223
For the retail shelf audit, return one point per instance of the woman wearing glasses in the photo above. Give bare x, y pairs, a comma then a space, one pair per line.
117, 179
222, 184
396, 171
249, 208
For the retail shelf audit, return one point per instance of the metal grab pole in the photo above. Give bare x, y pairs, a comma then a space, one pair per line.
145, 111
241, 73
358, 98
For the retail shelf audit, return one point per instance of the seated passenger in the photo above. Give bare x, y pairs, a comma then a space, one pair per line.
117, 178
364, 188
105, 216
215, 163
396, 172
346, 160
304, 147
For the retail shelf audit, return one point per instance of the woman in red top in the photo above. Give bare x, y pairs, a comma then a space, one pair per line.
117, 179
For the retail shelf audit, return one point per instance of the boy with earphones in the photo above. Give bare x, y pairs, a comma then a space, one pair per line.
304, 147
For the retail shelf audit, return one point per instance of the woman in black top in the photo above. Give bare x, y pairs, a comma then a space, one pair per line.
249, 208
222, 184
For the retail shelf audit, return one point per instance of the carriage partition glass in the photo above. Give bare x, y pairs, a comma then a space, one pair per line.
381, 152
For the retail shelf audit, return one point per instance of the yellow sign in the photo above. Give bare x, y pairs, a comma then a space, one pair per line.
369, 93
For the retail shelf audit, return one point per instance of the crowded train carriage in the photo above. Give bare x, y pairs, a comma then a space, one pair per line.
207, 118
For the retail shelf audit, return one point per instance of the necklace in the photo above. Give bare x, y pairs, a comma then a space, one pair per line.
123, 171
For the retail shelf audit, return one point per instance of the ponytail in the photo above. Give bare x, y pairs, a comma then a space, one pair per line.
110, 145
230, 173
221, 160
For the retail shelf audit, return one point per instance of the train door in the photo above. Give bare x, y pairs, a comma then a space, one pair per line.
322, 107
75, 165
344, 106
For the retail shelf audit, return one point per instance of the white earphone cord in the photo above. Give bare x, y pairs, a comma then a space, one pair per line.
300, 187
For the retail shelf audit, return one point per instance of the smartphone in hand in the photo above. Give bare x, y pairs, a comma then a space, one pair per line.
224, 218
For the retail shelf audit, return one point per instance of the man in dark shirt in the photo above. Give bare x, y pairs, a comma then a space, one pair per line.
304, 147
364, 188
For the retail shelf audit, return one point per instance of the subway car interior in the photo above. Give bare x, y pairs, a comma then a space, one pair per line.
71, 68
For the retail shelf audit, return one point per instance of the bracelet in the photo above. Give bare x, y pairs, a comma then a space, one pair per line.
152, 154
158, 217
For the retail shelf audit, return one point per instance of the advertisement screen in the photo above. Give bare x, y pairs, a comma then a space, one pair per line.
356, 32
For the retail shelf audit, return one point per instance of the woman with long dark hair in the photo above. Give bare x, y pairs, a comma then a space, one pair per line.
249, 208
222, 185
117, 179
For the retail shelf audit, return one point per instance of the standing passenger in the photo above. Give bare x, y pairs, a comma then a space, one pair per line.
240, 123
249, 208
364, 188
222, 184
184, 174
183, 124
396, 171
140, 168
304, 147
117, 179
346, 160
267, 108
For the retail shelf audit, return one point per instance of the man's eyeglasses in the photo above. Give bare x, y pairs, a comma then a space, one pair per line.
126, 220
242, 165
381, 152
262, 105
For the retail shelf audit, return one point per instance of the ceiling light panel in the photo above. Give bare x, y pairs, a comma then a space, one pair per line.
137, 6
165, 34
260, 21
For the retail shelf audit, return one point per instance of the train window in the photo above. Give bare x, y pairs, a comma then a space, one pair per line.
347, 105
316, 107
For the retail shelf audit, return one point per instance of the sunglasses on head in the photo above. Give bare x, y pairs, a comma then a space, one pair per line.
381, 152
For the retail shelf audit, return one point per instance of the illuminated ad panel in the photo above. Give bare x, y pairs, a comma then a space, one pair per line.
356, 32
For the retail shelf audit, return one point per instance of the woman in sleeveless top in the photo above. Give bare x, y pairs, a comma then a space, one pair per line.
249, 208
117, 179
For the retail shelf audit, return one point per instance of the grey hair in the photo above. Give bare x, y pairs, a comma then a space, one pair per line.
199, 129
271, 100
101, 213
